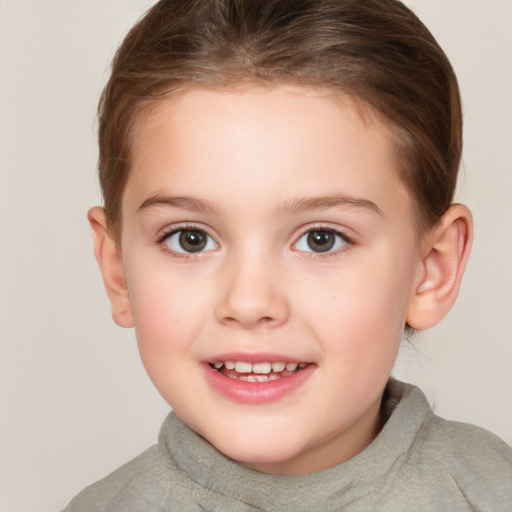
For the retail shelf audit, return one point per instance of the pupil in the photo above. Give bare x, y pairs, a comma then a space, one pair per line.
321, 241
192, 241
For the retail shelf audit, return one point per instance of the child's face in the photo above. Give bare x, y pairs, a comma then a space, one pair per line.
269, 226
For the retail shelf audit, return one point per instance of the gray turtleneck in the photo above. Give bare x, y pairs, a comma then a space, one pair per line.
418, 462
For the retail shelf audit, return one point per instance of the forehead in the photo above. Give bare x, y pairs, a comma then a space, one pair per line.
282, 141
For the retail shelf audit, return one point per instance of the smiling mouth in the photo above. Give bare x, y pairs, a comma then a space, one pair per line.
257, 372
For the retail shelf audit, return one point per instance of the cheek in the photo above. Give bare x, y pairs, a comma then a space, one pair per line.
165, 308
363, 307
166, 317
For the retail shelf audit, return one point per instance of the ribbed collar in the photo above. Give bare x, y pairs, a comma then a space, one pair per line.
222, 478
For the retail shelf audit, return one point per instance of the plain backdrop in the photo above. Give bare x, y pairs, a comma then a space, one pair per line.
75, 402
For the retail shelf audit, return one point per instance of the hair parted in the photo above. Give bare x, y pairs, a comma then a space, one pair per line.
376, 51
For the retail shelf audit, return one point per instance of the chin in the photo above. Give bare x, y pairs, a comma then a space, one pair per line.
251, 450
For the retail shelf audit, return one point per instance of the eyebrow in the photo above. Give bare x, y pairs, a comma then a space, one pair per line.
298, 205
290, 206
185, 203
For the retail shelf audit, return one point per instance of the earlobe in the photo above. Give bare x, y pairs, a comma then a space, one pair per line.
111, 265
446, 251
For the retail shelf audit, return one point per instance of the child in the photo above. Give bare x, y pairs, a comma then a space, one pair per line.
278, 180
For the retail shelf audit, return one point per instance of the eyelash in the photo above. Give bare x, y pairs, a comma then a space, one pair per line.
166, 235
162, 238
328, 254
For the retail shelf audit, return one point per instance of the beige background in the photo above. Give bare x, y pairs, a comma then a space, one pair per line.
75, 402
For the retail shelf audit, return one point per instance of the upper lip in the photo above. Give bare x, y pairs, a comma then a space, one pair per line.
255, 358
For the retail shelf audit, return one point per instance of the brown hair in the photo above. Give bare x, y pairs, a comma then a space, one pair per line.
376, 51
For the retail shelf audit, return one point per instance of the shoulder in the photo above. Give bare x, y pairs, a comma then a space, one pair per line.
102, 494
146, 483
478, 462
455, 445
443, 465
462, 446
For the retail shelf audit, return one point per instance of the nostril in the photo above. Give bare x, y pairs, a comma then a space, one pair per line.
247, 321
251, 304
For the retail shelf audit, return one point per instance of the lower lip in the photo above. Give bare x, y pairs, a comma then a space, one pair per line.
256, 392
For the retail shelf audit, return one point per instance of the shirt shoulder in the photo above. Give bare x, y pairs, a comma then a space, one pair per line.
479, 462
440, 464
146, 483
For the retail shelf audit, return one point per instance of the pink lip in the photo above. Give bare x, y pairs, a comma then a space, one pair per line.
259, 357
255, 392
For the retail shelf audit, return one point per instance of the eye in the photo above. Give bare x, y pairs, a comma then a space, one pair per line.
321, 240
190, 241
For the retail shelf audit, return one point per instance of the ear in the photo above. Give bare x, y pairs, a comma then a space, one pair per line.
109, 259
446, 251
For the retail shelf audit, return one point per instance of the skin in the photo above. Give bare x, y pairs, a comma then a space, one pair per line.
256, 166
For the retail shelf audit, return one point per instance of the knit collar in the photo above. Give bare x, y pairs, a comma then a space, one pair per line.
217, 475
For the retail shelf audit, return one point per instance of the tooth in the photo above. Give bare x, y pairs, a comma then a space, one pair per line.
291, 366
261, 378
273, 376
230, 365
243, 367
278, 367
218, 364
303, 365
262, 368
248, 378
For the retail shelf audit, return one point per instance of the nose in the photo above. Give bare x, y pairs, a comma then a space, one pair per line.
252, 294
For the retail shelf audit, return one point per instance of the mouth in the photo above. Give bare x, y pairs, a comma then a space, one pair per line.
256, 378
257, 372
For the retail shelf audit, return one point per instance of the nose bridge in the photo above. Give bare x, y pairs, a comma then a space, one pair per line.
251, 292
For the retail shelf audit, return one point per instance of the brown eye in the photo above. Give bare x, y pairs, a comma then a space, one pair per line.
321, 240
190, 241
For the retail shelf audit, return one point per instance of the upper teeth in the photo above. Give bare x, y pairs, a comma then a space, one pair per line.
261, 368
